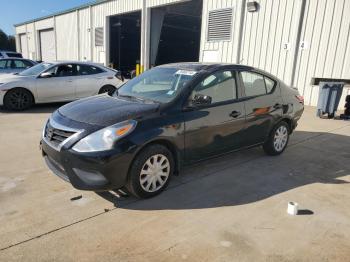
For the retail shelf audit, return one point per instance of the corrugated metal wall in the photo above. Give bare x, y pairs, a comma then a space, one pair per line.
267, 39
84, 34
67, 36
270, 40
226, 50
326, 32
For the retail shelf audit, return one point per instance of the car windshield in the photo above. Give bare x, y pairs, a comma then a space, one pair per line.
158, 84
35, 70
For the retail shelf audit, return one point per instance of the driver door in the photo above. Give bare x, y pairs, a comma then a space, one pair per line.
217, 127
60, 86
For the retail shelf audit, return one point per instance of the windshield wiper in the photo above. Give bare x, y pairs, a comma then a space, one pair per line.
137, 98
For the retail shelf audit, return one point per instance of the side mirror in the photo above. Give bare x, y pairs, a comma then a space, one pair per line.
200, 99
120, 76
46, 75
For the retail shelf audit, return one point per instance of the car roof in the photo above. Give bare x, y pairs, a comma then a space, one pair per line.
15, 58
58, 62
197, 66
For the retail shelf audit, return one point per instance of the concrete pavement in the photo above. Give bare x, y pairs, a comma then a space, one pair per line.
231, 208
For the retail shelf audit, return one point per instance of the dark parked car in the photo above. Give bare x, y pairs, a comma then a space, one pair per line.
168, 117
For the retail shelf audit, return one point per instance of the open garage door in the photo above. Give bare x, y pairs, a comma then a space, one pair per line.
24, 48
125, 41
47, 45
175, 33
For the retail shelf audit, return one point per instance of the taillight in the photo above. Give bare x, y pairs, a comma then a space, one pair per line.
300, 99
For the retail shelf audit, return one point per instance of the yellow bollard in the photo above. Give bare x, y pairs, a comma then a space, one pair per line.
137, 69
142, 69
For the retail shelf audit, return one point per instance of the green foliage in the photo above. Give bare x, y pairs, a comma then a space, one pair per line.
7, 42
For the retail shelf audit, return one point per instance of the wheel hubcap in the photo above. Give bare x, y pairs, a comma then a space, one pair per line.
281, 138
155, 173
19, 100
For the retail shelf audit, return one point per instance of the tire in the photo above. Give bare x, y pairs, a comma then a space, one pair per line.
107, 89
278, 139
144, 171
18, 99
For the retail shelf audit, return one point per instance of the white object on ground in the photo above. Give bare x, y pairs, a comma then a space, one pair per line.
292, 208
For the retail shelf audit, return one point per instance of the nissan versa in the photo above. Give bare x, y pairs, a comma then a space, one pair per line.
168, 117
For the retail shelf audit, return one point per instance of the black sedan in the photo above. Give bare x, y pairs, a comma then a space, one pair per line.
168, 117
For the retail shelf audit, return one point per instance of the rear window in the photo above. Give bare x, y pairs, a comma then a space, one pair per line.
14, 55
88, 70
256, 84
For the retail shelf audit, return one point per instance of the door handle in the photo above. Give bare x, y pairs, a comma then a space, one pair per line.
235, 114
69, 81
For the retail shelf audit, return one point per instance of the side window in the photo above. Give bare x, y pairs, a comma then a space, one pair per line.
88, 70
18, 64
270, 84
66, 70
256, 84
220, 86
3, 64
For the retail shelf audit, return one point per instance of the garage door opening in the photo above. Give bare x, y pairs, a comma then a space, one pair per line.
175, 33
125, 41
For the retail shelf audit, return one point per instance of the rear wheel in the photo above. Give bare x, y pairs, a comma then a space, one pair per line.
151, 171
277, 140
107, 89
18, 99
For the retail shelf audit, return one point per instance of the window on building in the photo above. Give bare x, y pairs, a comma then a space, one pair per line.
99, 35
220, 24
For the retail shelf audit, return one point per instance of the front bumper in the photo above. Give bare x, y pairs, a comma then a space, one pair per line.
92, 171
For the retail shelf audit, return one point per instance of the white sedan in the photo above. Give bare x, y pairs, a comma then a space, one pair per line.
56, 82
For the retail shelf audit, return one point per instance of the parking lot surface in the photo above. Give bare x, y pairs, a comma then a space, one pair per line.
232, 208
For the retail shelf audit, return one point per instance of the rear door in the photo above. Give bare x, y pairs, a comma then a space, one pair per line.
89, 80
59, 87
263, 104
215, 128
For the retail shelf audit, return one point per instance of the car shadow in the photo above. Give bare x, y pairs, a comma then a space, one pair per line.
39, 108
249, 176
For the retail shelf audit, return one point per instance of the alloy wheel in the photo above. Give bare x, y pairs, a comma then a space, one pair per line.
19, 100
280, 138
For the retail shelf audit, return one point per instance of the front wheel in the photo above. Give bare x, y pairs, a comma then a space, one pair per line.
151, 171
18, 99
277, 140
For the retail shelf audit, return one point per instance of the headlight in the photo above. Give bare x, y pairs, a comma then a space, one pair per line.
105, 138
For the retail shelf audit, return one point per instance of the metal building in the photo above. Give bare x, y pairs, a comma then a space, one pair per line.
295, 40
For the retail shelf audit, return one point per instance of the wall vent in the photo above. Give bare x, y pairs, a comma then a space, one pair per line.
99, 36
220, 24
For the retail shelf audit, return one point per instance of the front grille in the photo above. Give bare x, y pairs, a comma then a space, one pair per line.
56, 136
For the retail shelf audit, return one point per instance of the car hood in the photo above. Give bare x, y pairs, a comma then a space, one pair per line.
7, 78
104, 110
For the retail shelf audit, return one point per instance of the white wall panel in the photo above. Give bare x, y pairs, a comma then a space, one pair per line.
67, 36
227, 50
326, 29
84, 35
44, 24
270, 37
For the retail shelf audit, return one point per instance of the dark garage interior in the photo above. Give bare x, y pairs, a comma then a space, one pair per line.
175, 33
125, 41
175, 36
